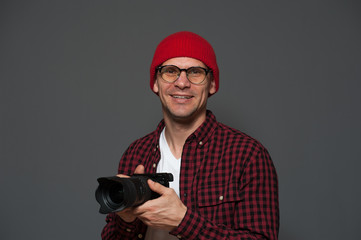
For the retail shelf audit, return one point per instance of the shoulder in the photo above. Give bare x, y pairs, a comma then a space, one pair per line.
146, 142
143, 142
137, 153
238, 138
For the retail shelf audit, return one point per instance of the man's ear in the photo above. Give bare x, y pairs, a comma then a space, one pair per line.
155, 86
212, 87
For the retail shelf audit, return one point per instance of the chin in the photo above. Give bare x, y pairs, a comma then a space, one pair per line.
181, 115
184, 115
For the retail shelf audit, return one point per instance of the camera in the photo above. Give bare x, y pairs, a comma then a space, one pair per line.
116, 193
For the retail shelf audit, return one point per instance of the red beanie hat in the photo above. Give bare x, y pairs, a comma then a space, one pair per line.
185, 44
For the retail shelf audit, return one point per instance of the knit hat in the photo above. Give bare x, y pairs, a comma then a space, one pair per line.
184, 44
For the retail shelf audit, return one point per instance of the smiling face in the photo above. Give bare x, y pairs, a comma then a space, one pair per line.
181, 100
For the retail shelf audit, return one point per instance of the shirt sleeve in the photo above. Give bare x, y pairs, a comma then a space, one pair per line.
116, 228
256, 216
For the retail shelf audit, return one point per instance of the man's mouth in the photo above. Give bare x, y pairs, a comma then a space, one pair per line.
181, 97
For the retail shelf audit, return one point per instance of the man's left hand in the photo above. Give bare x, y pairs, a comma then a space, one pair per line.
165, 212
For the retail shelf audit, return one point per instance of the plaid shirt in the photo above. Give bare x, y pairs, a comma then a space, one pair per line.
227, 181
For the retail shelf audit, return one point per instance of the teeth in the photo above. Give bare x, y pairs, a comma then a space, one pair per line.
182, 97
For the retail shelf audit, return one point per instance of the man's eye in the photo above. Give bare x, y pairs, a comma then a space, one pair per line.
170, 71
195, 71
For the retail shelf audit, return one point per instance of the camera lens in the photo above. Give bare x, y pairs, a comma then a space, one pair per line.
116, 193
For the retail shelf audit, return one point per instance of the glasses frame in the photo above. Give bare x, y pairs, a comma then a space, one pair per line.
159, 69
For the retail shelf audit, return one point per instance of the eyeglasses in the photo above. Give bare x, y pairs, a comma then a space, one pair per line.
171, 73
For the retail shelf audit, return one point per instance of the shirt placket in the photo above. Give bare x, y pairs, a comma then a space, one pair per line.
191, 160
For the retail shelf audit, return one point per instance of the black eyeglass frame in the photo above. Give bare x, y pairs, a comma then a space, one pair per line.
159, 69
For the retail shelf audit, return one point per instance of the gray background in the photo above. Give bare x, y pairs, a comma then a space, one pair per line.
75, 92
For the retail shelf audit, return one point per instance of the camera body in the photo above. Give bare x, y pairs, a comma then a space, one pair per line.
116, 193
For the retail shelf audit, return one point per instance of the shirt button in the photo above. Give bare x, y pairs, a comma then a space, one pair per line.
179, 236
140, 235
201, 143
128, 230
154, 165
185, 195
221, 198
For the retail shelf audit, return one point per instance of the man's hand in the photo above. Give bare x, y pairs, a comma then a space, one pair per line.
165, 212
127, 214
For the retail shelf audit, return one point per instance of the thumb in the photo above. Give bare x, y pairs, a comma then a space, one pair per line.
139, 169
156, 187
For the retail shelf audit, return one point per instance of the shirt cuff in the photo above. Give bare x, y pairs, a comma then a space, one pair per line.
190, 226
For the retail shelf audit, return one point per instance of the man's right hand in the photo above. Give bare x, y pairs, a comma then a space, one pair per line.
127, 214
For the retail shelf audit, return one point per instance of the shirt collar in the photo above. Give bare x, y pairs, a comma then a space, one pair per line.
205, 130
201, 134
158, 131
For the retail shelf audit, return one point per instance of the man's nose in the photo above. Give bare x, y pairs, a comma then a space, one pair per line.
182, 81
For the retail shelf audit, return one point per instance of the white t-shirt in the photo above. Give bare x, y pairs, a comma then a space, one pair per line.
169, 164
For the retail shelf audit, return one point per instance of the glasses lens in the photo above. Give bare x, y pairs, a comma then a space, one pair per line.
196, 74
170, 73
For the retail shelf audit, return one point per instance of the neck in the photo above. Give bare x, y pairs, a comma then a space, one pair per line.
177, 132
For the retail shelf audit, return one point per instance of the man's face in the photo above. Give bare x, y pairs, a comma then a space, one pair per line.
183, 100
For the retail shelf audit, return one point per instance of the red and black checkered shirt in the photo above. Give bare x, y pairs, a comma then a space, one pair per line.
227, 181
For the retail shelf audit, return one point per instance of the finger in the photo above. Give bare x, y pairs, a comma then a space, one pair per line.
157, 187
139, 169
139, 210
127, 215
122, 176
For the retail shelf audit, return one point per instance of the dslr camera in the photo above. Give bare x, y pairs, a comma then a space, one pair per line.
115, 193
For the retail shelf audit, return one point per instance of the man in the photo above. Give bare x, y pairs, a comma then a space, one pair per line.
225, 185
